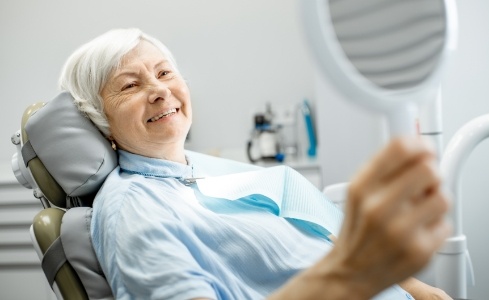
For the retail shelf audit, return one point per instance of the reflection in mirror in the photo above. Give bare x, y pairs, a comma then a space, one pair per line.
394, 44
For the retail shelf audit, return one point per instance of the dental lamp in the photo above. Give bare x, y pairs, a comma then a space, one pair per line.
389, 56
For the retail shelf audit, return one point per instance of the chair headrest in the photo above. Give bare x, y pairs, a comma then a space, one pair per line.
71, 148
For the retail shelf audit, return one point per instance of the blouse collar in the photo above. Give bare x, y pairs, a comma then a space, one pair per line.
154, 167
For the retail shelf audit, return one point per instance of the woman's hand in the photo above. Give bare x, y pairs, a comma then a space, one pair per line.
422, 291
393, 225
394, 215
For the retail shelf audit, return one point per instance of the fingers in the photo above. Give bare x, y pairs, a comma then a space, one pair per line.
404, 168
423, 242
428, 219
412, 203
426, 216
420, 229
417, 181
429, 211
415, 193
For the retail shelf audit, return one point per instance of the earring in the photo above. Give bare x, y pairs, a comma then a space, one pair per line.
114, 146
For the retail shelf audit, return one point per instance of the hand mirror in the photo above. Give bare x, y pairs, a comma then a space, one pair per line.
387, 55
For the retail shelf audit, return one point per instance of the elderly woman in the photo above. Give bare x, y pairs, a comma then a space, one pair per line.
156, 238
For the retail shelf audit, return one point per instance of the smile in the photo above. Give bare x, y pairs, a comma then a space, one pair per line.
165, 114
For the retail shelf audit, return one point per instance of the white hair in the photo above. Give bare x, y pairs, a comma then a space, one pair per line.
86, 71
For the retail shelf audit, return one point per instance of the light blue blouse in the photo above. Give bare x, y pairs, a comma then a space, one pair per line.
157, 238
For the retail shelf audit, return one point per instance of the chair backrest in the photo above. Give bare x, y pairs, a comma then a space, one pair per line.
65, 159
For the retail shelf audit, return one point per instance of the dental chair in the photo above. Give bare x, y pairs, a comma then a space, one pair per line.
64, 159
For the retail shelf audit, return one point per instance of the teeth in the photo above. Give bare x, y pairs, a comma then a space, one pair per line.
165, 114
